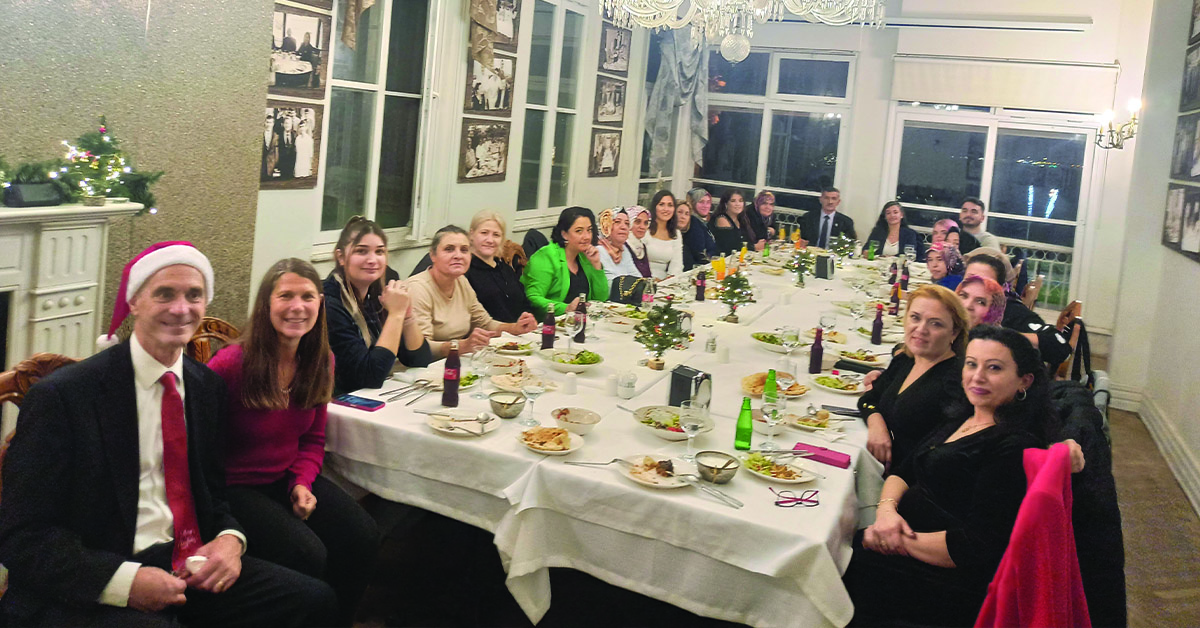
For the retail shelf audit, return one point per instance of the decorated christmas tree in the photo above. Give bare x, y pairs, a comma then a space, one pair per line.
98, 167
802, 264
663, 329
842, 246
735, 290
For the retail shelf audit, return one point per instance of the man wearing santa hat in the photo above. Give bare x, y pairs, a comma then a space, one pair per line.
113, 509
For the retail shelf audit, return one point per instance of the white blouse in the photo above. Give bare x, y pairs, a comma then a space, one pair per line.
666, 256
891, 249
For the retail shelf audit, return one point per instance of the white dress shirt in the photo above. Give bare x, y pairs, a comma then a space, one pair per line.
155, 523
666, 256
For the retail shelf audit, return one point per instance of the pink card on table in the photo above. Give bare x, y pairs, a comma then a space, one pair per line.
825, 455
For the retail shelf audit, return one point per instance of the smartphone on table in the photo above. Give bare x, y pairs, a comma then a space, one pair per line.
360, 403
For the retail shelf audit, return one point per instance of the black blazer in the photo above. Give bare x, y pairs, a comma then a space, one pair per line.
908, 237
810, 226
69, 510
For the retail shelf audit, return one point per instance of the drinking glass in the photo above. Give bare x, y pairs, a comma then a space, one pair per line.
595, 313
691, 419
532, 392
574, 323
481, 362
790, 338
910, 252
772, 410
829, 320
858, 307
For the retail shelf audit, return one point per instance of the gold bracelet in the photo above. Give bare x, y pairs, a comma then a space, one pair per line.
886, 499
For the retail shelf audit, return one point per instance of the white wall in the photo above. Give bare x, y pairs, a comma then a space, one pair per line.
1156, 340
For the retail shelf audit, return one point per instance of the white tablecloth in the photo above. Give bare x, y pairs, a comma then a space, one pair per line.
761, 565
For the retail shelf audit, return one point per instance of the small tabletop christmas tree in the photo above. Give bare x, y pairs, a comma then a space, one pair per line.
802, 264
663, 329
842, 246
735, 290
98, 167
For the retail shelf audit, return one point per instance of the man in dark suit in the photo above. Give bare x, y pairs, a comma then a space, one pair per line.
819, 228
113, 505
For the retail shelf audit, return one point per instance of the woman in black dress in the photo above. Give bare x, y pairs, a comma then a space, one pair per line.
945, 516
911, 397
731, 226
497, 285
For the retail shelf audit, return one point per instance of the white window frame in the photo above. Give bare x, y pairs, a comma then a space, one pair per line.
324, 241
543, 214
774, 103
995, 120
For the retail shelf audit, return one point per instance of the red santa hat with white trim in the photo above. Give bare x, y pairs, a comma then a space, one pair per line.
155, 258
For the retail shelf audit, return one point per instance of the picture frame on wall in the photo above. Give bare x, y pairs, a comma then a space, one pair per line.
1173, 220
483, 151
614, 49
300, 46
1190, 97
1185, 151
605, 156
610, 101
1188, 219
490, 90
508, 25
1194, 33
291, 145
325, 5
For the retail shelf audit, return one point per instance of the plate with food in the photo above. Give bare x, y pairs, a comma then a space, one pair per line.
839, 384
771, 270
754, 384
769, 341
619, 324
888, 336
835, 337
865, 358
456, 425
552, 441
813, 423
663, 421
515, 348
770, 470
573, 361
513, 382
652, 471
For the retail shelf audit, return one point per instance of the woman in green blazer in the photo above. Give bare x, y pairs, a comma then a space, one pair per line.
568, 267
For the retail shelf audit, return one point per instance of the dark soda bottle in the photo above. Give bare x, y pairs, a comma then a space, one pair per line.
877, 327
581, 312
450, 377
548, 329
816, 353
701, 284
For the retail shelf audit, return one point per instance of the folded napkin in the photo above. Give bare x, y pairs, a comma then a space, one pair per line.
824, 455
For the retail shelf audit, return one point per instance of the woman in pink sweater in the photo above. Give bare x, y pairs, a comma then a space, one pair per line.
279, 380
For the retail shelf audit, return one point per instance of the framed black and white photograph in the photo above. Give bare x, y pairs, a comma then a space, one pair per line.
291, 146
610, 101
614, 49
1194, 34
1185, 150
1173, 222
320, 4
606, 153
483, 151
299, 65
1189, 236
1190, 98
490, 90
508, 24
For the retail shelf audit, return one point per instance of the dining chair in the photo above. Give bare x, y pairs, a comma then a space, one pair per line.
14, 385
212, 334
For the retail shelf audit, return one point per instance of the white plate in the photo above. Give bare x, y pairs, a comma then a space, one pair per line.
441, 423
805, 476
790, 419
671, 482
771, 347
509, 383
838, 391
575, 439
528, 351
888, 337
619, 324
881, 363
841, 336
548, 356
666, 434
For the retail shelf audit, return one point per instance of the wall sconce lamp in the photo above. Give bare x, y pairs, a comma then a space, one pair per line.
1111, 135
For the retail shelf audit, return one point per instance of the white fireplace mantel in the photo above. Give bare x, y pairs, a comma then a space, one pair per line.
52, 262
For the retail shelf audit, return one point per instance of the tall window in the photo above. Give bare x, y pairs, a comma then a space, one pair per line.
551, 107
775, 123
1030, 167
375, 116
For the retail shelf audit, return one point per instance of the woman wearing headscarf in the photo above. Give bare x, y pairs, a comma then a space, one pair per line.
639, 224
945, 264
697, 238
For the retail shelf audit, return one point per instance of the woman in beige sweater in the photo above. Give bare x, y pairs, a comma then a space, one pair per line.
444, 304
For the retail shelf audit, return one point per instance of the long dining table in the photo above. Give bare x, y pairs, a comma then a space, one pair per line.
762, 565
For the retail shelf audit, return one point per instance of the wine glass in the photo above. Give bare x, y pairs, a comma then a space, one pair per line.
910, 252
481, 362
533, 387
829, 320
595, 314
858, 307
771, 412
691, 419
574, 324
789, 337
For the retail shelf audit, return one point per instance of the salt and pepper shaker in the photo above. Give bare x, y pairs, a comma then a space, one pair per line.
570, 387
611, 386
627, 385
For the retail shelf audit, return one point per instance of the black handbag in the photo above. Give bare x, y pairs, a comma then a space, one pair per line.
628, 289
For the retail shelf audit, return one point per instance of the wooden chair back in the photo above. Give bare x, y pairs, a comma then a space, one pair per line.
212, 334
1029, 297
1069, 314
14, 385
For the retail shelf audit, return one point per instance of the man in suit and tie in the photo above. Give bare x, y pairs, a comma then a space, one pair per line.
819, 228
113, 507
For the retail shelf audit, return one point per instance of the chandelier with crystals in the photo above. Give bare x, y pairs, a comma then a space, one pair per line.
732, 21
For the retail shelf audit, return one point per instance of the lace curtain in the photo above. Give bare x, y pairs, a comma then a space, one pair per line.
682, 81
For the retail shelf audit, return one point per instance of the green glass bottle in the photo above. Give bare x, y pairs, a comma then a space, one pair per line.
745, 426
770, 389
766, 250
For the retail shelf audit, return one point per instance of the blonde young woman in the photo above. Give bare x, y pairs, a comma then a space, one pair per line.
497, 284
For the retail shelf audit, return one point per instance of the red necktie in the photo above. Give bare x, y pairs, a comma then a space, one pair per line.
178, 478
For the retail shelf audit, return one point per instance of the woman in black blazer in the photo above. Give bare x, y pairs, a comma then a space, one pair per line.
893, 233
